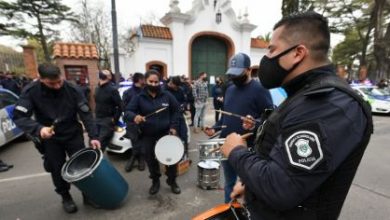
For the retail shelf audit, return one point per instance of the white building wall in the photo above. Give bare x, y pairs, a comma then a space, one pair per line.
256, 55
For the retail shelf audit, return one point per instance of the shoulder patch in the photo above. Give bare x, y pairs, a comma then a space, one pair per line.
304, 149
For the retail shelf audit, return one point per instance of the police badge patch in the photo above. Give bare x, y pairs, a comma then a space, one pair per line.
304, 149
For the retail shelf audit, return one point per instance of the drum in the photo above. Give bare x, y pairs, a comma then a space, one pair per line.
90, 172
208, 174
169, 150
205, 148
233, 211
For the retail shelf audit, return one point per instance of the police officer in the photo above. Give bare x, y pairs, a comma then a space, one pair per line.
152, 98
174, 87
131, 128
108, 108
56, 105
309, 148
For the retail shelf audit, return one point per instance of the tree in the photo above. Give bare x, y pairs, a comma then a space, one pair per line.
94, 26
34, 19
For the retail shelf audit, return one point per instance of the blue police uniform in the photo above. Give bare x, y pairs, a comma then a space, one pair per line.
155, 126
307, 151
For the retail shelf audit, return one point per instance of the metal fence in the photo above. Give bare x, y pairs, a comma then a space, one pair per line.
11, 62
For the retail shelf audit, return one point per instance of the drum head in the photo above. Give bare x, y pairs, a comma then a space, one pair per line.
208, 164
169, 150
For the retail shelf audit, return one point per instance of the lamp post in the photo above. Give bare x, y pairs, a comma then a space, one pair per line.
218, 16
115, 41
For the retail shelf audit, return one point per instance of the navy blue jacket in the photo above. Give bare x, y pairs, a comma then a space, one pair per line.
129, 94
250, 99
302, 153
157, 124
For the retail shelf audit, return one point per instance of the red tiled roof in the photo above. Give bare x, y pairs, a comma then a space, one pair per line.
75, 50
156, 32
259, 43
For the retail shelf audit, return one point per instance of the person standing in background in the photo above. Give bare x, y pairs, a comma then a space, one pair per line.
201, 93
132, 129
108, 108
218, 92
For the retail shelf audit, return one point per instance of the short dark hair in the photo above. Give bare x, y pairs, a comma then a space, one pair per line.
137, 77
48, 70
201, 74
152, 72
175, 80
308, 28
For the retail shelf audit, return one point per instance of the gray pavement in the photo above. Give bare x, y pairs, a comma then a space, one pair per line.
26, 191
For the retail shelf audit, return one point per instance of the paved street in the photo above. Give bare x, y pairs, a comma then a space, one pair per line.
26, 191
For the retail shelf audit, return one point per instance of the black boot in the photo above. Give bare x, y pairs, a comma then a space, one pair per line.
174, 187
129, 165
68, 203
141, 163
155, 187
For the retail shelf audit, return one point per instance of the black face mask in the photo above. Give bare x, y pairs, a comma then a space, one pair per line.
102, 76
240, 80
153, 89
270, 72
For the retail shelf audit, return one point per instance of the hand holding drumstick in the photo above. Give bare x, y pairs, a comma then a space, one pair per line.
242, 137
232, 141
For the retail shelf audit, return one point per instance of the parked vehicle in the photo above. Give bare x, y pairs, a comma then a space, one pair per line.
8, 129
379, 101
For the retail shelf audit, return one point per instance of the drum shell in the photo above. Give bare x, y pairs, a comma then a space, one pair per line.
102, 184
208, 178
206, 146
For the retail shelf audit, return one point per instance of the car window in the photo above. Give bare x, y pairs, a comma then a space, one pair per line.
7, 99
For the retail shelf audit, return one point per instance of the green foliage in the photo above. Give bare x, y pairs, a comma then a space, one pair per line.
34, 19
347, 51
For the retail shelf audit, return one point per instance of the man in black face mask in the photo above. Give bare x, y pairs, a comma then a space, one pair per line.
309, 148
244, 97
57, 106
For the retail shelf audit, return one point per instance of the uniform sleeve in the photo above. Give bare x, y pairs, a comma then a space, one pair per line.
174, 112
22, 115
132, 109
117, 105
85, 114
305, 153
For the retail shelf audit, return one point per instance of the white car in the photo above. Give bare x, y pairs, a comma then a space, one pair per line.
379, 101
120, 144
8, 129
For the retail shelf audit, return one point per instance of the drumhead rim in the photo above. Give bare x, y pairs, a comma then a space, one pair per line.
92, 169
181, 149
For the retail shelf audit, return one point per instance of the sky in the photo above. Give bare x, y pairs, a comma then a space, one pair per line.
131, 12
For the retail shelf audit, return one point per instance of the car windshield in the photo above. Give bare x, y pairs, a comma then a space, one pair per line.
385, 91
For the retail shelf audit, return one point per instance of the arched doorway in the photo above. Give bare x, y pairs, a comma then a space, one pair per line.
158, 66
209, 54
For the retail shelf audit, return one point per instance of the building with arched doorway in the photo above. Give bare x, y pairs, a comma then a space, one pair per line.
202, 39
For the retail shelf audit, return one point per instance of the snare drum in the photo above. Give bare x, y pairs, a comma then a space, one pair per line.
169, 150
208, 174
233, 211
205, 148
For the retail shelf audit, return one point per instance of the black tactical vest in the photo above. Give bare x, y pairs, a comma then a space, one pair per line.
327, 201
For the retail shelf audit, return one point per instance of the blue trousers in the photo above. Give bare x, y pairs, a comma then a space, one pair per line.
230, 179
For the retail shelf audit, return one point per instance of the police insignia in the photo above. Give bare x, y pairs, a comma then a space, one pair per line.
304, 149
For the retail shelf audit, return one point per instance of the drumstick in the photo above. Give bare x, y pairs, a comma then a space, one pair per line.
155, 112
216, 127
235, 115
244, 136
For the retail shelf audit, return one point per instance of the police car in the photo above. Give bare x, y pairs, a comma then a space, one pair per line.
379, 101
8, 129
120, 144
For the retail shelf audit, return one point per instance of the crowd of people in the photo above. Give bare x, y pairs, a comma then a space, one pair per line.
299, 162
